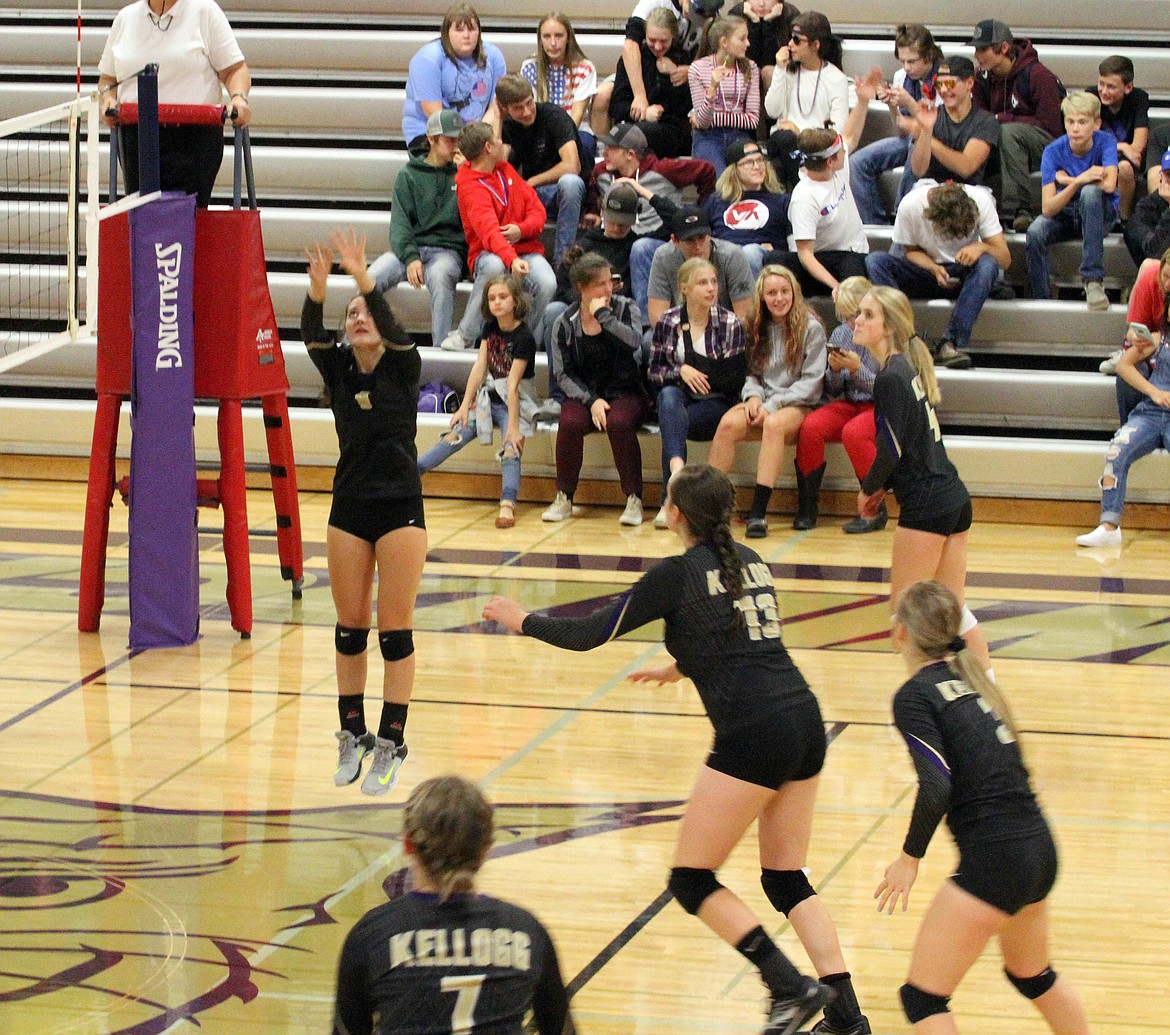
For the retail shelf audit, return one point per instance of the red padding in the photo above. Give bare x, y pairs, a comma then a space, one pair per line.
176, 114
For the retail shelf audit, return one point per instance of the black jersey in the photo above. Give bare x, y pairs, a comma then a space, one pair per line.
741, 673
911, 458
470, 964
375, 414
968, 763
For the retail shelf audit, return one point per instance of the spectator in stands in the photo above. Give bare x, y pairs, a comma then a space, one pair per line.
458, 71
748, 207
1147, 234
427, 244
698, 364
1079, 176
562, 74
845, 417
952, 247
919, 56
596, 347
1024, 96
954, 140
1147, 428
725, 93
503, 219
808, 90
769, 25
786, 372
199, 59
1159, 145
542, 142
1147, 302
666, 121
1125, 112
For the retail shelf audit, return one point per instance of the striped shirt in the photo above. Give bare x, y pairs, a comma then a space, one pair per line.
736, 104
566, 85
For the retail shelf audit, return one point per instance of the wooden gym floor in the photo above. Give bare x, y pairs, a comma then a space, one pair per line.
173, 851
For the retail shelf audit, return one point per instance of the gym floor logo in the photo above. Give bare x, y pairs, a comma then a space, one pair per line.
145, 918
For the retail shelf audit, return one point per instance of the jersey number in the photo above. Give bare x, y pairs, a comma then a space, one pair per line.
466, 988
761, 615
931, 416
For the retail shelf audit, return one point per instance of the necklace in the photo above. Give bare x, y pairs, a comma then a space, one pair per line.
729, 103
816, 86
162, 20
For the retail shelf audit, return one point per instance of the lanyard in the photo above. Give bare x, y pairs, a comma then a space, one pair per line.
501, 199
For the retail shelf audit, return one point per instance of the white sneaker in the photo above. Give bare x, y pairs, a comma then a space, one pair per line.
559, 509
632, 515
454, 342
1095, 296
1109, 366
660, 517
1100, 536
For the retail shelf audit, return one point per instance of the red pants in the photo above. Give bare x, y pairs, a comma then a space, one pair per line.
626, 415
851, 424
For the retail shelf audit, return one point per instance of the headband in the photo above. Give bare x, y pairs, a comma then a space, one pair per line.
827, 152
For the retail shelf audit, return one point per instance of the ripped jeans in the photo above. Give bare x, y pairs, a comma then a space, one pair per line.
1148, 428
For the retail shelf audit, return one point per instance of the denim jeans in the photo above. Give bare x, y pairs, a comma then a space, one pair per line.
865, 170
509, 464
758, 257
563, 200
1088, 216
541, 284
1148, 428
442, 269
710, 144
641, 259
977, 282
587, 146
680, 417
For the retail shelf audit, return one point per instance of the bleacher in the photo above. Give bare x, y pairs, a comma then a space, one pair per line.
1028, 422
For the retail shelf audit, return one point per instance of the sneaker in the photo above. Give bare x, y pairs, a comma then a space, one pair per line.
825, 1027
785, 1016
383, 774
660, 517
1096, 297
632, 515
757, 528
454, 342
559, 509
351, 752
1022, 221
945, 354
1100, 536
1109, 366
548, 411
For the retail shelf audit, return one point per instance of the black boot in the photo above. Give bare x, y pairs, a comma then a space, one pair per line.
860, 525
808, 489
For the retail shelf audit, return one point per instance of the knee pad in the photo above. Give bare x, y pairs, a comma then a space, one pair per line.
786, 889
967, 621
918, 1005
692, 887
1033, 987
350, 641
396, 644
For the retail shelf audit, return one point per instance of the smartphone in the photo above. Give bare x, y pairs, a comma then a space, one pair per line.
1142, 331
835, 349
953, 282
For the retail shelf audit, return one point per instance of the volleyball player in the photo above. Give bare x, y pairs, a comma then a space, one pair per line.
723, 629
377, 516
963, 743
443, 958
930, 541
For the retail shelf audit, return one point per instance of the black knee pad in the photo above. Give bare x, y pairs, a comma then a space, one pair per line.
692, 887
396, 644
786, 889
1033, 987
918, 1005
350, 641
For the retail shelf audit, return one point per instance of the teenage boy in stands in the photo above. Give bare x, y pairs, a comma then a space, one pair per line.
542, 139
1024, 96
1125, 112
1147, 234
952, 247
427, 245
954, 139
1079, 197
503, 219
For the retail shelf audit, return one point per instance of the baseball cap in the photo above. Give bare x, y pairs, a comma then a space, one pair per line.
627, 135
444, 123
959, 66
707, 8
739, 148
991, 32
1166, 161
690, 221
621, 205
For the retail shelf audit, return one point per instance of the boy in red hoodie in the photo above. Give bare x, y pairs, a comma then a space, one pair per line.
502, 219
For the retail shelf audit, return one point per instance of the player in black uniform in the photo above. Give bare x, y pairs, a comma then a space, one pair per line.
441, 958
377, 514
963, 743
930, 541
723, 629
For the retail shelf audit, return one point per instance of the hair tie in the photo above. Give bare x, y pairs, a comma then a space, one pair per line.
956, 645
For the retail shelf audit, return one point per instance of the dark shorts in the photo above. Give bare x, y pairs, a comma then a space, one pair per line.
779, 749
1009, 874
951, 523
372, 519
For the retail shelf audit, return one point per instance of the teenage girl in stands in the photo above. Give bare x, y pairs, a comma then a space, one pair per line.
561, 74
748, 207
725, 93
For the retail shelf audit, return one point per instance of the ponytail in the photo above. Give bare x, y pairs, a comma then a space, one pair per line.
920, 359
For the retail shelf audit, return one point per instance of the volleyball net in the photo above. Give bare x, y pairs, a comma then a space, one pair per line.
49, 197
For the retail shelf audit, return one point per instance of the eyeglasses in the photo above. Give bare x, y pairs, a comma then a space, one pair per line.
797, 37
755, 158
948, 83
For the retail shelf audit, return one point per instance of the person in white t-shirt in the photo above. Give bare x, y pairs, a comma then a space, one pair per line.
951, 246
198, 60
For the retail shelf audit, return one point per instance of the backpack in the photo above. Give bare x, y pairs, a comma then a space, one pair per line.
437, 397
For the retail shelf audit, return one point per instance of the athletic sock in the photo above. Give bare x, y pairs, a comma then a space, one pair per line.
760, 501
842, 1012
352, 713
776, 969
393, 722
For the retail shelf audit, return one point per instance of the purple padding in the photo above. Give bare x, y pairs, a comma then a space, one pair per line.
164, 559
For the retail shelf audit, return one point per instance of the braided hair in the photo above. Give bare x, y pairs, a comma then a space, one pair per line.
448, 822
